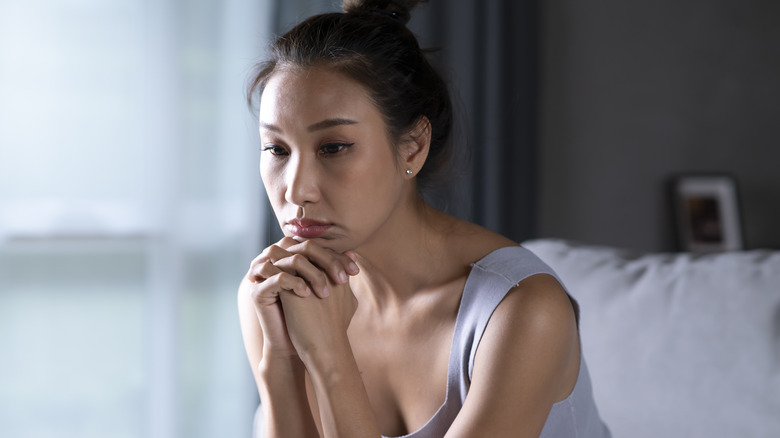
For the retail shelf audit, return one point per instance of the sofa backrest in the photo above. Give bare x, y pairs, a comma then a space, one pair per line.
678, 345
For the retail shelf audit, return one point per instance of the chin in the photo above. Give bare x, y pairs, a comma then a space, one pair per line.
335, 245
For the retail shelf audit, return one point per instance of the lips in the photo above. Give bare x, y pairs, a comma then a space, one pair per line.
307, 228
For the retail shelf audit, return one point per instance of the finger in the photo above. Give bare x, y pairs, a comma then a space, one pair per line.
284, 280
251, 274
338, 266
287, 242
271, 254
262, 257
320, 256
301, 266
295, 264
266, 254
353, 257
276, 281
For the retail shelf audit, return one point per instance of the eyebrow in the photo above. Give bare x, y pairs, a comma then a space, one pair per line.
328, 123
270, 127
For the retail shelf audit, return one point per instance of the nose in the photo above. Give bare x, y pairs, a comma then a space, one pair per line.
302, 182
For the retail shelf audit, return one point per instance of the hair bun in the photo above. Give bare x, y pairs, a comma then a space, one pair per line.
399, 10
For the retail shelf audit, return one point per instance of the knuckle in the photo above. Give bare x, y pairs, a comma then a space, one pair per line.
277, 253
297, 259
290, 282
263, 269
266, 251
271, 250
277, 280
277, 283
306, 245
283, 278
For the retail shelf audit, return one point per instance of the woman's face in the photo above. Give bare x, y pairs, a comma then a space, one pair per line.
328, 166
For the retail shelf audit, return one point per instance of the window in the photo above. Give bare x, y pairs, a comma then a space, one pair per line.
129, 210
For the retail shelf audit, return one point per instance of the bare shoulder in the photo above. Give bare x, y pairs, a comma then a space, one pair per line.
537, 306
527, 360
535, 314
474, 241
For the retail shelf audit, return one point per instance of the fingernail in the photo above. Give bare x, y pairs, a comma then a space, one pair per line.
343, 276
308, 291
326, 292
353, 268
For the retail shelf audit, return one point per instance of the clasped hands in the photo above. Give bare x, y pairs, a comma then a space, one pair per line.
302, 297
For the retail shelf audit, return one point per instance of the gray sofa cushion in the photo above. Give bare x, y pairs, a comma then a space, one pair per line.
677, 345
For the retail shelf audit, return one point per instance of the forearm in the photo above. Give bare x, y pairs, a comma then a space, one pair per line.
344, 407
286, 411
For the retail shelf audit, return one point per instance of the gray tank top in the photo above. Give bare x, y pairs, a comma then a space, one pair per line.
487, 284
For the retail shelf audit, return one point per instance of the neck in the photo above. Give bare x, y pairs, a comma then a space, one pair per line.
407, 255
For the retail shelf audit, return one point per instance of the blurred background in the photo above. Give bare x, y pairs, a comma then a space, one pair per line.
130, 207
130, 203
635, 92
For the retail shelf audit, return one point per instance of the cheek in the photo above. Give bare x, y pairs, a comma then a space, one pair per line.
264, 173
271, 181
371, 182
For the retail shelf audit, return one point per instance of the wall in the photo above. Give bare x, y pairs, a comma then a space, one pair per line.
634, 92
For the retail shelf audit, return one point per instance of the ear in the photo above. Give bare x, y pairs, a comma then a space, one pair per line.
415, 147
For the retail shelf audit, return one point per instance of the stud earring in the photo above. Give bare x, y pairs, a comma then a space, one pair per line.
408, 171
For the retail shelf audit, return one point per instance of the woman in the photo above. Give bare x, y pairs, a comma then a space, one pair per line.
377, 314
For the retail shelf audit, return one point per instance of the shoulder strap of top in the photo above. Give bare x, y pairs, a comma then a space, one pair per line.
487, 284
490, 280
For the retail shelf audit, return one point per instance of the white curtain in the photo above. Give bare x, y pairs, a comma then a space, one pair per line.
130, 207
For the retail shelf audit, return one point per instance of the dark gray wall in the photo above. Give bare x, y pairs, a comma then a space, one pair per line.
635, 91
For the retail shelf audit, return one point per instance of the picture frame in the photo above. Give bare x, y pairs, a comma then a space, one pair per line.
707, 213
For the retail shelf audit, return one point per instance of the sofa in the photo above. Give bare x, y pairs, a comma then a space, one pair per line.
678, 345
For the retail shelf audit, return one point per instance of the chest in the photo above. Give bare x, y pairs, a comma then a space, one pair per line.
404, 371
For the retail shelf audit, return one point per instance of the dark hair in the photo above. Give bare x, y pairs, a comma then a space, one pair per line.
371, 44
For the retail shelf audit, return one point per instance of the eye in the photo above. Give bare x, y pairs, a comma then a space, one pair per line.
274, 150
334, 148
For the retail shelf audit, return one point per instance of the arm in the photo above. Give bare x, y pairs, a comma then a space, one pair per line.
343, 404
528, 359
279, 377
317, 328
278, 370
